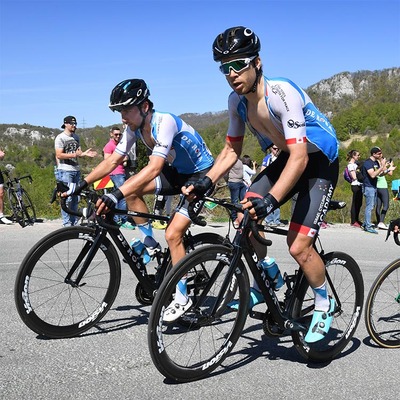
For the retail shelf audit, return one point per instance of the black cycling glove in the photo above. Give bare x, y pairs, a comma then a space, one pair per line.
201, 187
264, 206
111, 199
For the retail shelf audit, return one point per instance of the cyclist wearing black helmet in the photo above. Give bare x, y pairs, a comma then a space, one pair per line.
178, 154
278, 111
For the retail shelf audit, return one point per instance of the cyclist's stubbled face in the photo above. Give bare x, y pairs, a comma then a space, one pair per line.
131, 117
241, 82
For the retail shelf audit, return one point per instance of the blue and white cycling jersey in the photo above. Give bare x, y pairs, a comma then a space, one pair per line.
174, 140
292, 113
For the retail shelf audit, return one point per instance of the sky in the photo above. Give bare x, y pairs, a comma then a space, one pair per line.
60, 57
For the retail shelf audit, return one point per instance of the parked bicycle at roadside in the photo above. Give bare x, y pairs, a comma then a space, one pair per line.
194, 345
69, 280
382, 307
20, 204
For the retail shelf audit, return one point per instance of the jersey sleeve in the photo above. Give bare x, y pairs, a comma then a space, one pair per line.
128, 139
164, 131
286, 103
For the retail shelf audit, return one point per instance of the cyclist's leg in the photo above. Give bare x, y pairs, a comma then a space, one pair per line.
315, 192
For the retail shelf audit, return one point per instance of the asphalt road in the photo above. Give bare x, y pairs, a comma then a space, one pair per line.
112, 361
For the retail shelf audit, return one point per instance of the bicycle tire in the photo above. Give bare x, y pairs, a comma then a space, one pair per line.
382, 307
348, 292
197, 343
54, 308
15, 205
28, 208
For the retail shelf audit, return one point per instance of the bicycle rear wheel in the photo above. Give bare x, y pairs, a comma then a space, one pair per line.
382, 313
192, 346
54, 307
346, 286
28, 209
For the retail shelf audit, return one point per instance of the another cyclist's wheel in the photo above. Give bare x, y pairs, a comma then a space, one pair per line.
192, 346
57, 307
345, 284
382, 313
16, 208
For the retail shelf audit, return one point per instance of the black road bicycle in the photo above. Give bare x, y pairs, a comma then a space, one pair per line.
197, 343
21, 205
69, 280
382, 307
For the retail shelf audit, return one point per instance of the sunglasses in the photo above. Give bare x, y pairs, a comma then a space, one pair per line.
274, 148
72, 123
237, 66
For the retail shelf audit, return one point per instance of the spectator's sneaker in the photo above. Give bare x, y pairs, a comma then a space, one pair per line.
356, 225
175, 310
320, 323
382, 225
5, 221
256, 297
370, 230
128, 225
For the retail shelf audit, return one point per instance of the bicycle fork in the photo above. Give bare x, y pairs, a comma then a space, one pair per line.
87, 254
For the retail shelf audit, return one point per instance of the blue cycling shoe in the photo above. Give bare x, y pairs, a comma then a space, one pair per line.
256, 297
320, 323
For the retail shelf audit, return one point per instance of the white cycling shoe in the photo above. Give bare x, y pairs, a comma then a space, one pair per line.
175, 310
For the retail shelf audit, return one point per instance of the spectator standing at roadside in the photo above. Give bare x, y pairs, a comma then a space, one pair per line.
249, 169
356, 187
373, 166
117, 175
3, 219
68, 150
273, 219
382, 197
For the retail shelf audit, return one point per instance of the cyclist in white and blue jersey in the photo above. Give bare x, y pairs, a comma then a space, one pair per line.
278, 111
177, 154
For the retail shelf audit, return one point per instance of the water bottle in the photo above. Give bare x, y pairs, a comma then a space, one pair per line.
269, 264
140, 249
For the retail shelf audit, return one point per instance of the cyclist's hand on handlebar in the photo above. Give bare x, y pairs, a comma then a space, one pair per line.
198, 188
108, 201
73, 188
260, 207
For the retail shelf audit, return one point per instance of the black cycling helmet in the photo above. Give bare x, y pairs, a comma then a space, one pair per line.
238, 40
130, 92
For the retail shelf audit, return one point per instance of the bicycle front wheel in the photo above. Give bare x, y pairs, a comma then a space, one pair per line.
382, 313
194, 345
346, 286
16, 207
57, 307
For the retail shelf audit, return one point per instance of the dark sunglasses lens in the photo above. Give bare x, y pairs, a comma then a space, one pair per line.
236, 65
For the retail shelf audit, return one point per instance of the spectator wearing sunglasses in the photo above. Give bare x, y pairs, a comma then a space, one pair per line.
68, 150
118, 174
277, 111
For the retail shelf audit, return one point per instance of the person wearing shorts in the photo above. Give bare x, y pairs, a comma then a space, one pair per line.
177, 154
279, 112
